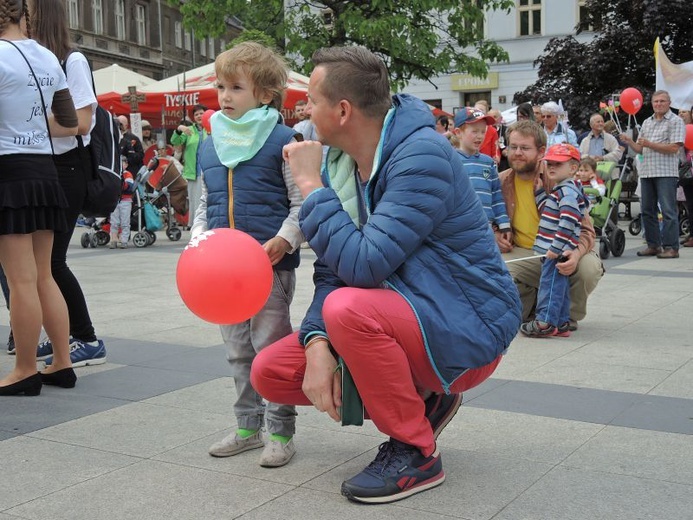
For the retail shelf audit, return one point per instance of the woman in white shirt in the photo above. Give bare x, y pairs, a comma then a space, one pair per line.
31, 200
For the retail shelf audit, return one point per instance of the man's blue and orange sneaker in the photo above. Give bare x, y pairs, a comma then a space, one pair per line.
398, 471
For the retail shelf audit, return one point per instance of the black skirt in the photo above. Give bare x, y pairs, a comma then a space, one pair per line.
31, 198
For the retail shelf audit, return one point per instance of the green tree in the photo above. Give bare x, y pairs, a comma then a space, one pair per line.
619, 56
416, 38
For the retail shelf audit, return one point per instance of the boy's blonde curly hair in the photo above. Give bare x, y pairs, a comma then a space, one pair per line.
265, 68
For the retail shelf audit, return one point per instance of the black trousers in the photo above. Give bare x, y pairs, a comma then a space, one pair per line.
74, 168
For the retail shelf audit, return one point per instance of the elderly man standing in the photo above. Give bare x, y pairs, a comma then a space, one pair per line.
598, 144
556, 132
526, 146
660, 139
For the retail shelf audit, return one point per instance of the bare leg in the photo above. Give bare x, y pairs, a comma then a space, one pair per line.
56, 320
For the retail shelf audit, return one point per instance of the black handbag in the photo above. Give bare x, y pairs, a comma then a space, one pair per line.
685, 173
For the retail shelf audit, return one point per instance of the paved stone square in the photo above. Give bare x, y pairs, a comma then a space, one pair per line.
595, 426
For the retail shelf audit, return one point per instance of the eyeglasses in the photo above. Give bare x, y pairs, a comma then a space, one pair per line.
524, 149
547, 116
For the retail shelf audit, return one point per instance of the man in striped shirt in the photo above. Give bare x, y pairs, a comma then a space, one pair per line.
559, 231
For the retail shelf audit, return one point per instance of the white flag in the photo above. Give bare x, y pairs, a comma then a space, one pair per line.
675, 79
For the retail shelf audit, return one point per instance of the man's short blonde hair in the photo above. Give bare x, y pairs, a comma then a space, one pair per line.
265, 68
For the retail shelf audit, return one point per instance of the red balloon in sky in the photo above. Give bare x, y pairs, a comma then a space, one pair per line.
631, 100
224, 276
205, 120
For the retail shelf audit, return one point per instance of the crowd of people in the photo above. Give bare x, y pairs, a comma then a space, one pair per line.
428, 259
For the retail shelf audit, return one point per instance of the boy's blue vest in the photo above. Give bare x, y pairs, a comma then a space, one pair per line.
260, 201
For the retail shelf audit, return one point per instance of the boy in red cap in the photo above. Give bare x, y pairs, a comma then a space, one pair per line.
559, 230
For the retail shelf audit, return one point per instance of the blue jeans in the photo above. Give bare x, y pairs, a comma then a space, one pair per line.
553, 299
660, 190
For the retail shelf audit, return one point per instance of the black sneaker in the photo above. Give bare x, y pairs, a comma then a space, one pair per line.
398, 471
10, 344
440, 409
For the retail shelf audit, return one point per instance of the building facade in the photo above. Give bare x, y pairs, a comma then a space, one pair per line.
523, 33
146, 36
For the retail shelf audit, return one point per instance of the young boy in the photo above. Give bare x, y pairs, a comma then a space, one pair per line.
559, 229
470, 129
587, 175
120, 218
247, 186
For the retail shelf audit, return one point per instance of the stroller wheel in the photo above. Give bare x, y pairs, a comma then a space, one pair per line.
684, 226
93, 241
152, 236
102, 238
85, 240
140, 239
174, 234
635, 226
618, 242
604, 248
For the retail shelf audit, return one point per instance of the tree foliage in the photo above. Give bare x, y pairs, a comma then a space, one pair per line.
619, 56
416, 38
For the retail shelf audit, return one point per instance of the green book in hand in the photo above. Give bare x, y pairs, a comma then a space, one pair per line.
351, 410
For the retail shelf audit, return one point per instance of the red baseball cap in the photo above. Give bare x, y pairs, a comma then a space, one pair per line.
562, 152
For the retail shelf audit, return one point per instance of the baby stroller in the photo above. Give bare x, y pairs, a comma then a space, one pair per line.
635, 226
170, 192
604, 212
98, 234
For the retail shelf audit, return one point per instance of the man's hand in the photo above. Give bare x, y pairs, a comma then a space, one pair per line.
504, 240
570, 265
321, 384
276, 248
304, 159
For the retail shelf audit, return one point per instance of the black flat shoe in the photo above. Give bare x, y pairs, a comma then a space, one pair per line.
27, 386
64, 378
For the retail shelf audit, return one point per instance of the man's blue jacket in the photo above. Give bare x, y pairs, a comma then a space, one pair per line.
426, 237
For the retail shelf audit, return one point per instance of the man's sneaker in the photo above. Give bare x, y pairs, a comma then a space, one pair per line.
10, 344
440, 409
45, 348
398, 471
277, 453
83, 354
232, 444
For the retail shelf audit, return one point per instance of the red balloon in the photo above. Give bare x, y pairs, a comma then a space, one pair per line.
224, 276
631, 100
688, 142
205, 120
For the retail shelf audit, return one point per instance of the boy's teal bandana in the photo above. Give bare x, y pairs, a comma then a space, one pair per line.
238, 140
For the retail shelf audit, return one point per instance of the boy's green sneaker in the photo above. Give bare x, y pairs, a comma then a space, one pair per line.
233, 444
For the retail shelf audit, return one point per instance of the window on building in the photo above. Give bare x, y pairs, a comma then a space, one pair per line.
529, 12
179, 34
120, 19
203, 48
187, 40
140, 21
211, 50
583, 18
97, 14
73, 13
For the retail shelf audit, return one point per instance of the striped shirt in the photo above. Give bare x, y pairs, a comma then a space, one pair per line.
482, 171
669, 129
561, 215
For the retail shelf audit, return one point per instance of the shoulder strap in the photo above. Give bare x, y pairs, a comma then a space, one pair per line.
38, 86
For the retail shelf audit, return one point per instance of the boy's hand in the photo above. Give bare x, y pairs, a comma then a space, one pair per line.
276, 248
551, 255
304, 159
569, 266
538, 182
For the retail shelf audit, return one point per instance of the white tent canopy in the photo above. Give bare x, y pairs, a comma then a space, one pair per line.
115, 78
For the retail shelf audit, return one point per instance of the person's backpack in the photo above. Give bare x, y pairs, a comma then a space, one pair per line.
104, 187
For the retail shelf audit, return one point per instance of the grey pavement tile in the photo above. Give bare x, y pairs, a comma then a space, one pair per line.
133, 383
531, 437
317, 452
140, 430
647, 454
565, 402
667, 414
38, 468
571, 494
678, 384
477, 486
54, 406
209, 360
7, 435
154, 490
131, 352
215, 396
311, 504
